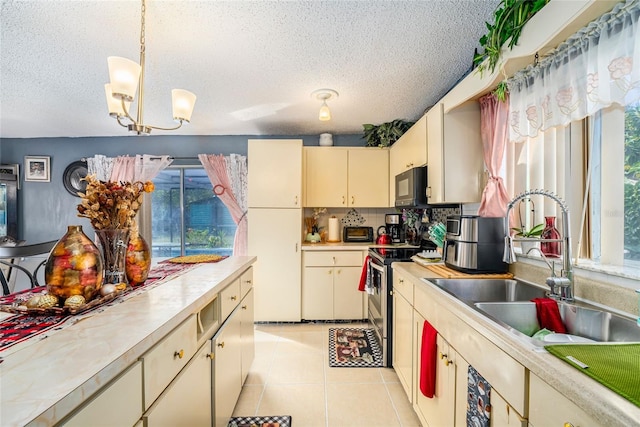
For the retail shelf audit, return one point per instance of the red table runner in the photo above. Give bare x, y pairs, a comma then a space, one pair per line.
19, 328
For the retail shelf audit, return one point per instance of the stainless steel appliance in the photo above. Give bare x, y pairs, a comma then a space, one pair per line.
8, 202
411, 188
475, 244
380, 315
393, 223
357, 234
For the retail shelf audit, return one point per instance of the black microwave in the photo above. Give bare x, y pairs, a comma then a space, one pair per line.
411, 188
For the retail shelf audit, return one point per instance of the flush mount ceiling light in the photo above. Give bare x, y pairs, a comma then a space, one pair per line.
324, 95
124, 76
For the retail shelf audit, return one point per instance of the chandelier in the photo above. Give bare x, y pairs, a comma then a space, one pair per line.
124, 76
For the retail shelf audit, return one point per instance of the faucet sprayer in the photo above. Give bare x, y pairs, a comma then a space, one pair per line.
561, 287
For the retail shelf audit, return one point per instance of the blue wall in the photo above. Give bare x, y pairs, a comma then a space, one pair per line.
46, 209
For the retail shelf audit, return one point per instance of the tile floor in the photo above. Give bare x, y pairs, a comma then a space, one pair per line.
291, 376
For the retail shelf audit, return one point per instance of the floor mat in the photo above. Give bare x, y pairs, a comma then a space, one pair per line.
272, 421
354, 348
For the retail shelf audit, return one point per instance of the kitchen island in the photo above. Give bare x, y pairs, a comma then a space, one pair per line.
45, 382
530, 387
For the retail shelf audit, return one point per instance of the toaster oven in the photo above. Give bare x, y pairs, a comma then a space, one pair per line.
357, 234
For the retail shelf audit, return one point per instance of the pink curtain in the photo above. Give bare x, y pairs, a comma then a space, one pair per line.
124, 168
494, 116
218, 172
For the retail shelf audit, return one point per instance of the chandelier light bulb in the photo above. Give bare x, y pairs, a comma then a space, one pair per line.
324, 95
325, 113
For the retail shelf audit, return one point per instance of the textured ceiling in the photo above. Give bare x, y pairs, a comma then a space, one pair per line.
252, 64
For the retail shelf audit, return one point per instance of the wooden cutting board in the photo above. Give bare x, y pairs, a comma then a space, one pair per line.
444, 271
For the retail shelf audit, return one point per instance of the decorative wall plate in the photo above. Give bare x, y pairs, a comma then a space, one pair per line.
72, 177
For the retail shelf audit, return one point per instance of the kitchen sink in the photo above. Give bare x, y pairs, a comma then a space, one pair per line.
490, 290
580, 320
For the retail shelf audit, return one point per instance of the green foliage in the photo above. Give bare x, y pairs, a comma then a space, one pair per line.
535, 231
632, 182
385, 134
510, 18
214, 238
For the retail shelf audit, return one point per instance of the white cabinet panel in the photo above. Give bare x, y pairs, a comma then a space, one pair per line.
274, 178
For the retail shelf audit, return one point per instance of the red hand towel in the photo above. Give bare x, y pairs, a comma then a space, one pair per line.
364, 275
428, 360
549, 315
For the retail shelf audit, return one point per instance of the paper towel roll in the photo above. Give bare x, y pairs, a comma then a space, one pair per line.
334, 230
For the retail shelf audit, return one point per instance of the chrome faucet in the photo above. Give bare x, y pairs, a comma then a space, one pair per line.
560, 287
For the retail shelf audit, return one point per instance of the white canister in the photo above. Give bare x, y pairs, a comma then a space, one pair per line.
326, 139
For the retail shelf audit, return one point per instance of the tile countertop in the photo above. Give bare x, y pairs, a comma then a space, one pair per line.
349, 246
602, 404
43, 382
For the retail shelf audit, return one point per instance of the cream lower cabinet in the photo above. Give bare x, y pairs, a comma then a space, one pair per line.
439, 410
403, 341
124, 393
346, 177
549, 408
247, 335
330, 285
227, 371
187, 401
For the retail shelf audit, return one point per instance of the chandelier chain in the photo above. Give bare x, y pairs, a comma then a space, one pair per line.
142, 27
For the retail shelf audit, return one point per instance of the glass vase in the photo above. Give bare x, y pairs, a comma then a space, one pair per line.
138, 260
550, 249
74, 266
113, 244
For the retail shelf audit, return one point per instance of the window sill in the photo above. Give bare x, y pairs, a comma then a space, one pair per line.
623, 276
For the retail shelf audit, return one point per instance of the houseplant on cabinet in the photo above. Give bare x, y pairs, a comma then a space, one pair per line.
385, 134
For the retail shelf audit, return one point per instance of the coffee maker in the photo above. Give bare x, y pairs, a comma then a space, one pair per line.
393, 223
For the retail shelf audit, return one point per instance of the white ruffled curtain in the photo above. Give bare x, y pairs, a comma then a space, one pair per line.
228, 176
596, 67
142, 167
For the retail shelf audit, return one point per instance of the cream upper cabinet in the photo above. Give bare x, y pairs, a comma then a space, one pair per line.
454, 147
368, 177
325, 173
408, 152
346, 177
274, 178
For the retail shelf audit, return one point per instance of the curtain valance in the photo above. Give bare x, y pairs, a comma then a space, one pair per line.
595, 68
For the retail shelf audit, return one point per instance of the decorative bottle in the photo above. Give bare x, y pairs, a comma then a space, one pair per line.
550, 249
74, 266
138, 260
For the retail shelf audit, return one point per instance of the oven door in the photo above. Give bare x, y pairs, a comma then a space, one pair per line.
377, 299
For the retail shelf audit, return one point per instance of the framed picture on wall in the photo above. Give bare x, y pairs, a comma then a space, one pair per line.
37, 168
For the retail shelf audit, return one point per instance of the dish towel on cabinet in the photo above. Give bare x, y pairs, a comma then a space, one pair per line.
365, 277
549, 315
479, 403
428, 360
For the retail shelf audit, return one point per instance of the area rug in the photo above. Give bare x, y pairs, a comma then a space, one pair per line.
272, 421
354, 348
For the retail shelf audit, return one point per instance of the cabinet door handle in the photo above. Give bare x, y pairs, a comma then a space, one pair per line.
296, 247
296, 201
343, 199
233, 298
338, 271
211, 356
428, 192
179, 354
442, 355
244, 307
402, 281
568, 424
353, 200
409, 165
221, 344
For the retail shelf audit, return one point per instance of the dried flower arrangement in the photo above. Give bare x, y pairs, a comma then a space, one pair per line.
112, 205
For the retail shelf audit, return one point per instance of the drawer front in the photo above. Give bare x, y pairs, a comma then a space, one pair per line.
542, 397
229, 299
404, 287
333, 258
163, 362
246, 281
125, 394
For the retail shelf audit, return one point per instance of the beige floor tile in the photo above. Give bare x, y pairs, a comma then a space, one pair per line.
304, 402
360, 405
389, 375
408, 417
297, 368
247, 405
353, 375
259, 371
301, 342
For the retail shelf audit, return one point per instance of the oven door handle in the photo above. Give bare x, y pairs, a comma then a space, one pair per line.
376, 266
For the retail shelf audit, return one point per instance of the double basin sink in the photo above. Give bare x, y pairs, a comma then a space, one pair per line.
507, 302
